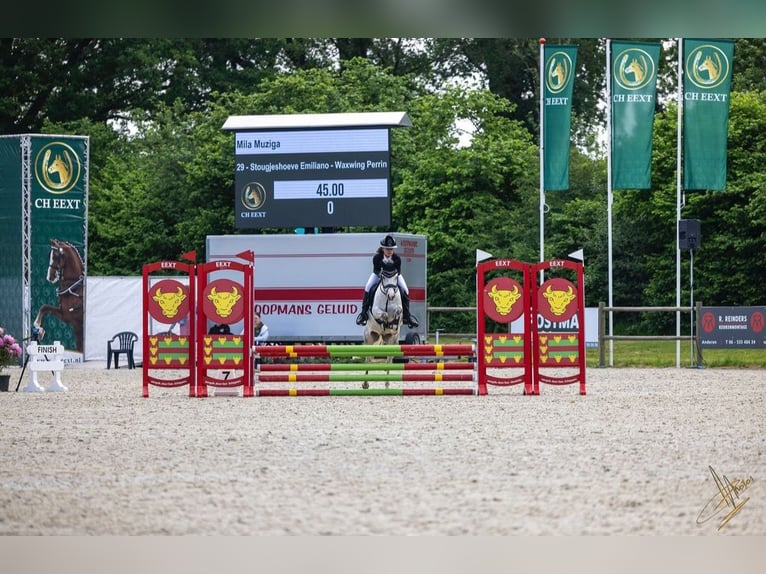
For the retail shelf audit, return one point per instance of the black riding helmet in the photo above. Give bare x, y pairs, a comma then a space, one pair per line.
388, 241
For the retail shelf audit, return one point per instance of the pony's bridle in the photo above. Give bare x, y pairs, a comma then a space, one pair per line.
390, 290
55, 264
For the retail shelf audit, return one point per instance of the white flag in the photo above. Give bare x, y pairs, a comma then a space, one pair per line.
482, 255
577, 255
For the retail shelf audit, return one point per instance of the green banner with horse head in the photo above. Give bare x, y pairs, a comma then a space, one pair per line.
634, 87
58, 216
558, 81
707, 83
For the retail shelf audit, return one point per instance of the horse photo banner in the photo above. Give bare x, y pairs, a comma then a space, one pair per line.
44, 193
58, 219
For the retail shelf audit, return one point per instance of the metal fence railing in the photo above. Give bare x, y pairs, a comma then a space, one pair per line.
441, 332
603, 311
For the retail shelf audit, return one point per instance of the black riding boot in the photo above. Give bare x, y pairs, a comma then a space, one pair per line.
408, 319
361, 319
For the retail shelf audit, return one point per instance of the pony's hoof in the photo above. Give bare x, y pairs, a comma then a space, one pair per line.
365, 385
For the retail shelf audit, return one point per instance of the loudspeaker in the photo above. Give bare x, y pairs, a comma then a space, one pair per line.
689, 234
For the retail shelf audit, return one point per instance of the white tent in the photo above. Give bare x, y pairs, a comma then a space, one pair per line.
113, 304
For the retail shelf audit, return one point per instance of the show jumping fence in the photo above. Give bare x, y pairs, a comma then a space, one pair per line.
222, 293
300, 376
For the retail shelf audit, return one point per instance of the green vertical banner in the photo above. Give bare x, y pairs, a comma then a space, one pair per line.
558, 81
11, 253
706, 88
634, 92
58, 216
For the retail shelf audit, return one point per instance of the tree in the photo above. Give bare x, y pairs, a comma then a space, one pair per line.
107, 79
511, 69
168, 183
163, 180
61, 80
463, 199
732, 223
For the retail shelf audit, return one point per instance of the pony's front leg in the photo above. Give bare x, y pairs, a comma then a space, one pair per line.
45, 310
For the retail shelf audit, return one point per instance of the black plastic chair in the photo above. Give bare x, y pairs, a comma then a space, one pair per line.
121, 344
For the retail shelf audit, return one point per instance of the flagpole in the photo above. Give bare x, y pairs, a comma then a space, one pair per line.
609, 193
542, 151
679, 135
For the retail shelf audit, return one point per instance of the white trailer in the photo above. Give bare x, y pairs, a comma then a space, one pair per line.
308, 288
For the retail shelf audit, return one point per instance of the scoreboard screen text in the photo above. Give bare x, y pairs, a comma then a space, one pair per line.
312, 178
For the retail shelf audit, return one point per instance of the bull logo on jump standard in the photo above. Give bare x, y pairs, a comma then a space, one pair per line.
224, 301
634, 69
253, 196
57, 167
169, 301
557, 299
558, 72
707, 66
500, 297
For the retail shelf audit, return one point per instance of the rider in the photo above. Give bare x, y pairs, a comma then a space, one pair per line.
386, 260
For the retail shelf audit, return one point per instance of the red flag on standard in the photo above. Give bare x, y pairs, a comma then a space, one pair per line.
246, 255
190, 256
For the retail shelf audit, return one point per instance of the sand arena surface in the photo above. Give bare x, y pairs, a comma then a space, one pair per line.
630, 457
